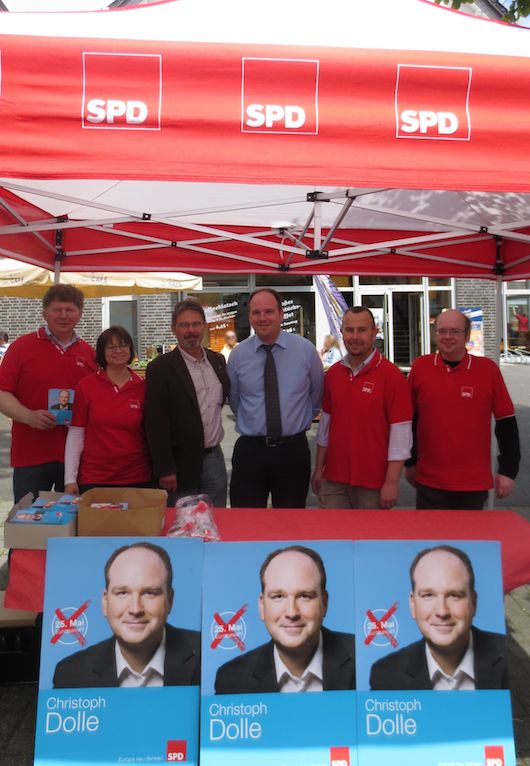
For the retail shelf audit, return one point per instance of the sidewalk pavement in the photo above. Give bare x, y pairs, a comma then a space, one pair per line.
18, 702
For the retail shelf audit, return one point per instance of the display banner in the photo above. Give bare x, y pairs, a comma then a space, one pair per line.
104, 635
253, 637
475, 344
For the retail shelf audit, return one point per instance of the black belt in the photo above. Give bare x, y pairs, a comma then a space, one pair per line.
207, 450
269, 441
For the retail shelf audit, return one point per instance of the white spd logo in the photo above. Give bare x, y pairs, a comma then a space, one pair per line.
432, 102
279, 96
121, 91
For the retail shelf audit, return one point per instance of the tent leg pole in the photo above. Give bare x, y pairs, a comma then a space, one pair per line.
499, 327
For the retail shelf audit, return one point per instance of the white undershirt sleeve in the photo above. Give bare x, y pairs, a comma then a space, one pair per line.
75, 441
323, 429
400, 441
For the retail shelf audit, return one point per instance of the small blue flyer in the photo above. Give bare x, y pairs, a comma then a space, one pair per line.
60, 405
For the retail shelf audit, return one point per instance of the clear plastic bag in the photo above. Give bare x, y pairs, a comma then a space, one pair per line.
194, 518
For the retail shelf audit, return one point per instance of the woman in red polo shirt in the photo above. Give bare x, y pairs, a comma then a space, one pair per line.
105, 446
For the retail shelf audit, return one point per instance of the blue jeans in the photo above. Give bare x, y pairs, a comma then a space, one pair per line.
214, 481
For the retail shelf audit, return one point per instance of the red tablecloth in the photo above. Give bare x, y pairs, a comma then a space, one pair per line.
26, 572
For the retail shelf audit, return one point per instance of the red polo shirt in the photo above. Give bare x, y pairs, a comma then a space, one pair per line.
362, 408
115, 451
455, 406
32, 365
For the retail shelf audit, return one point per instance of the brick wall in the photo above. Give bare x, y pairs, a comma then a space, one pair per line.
155, 320
480, 293
22, 315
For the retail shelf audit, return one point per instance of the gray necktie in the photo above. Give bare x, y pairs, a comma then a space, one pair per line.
272, 396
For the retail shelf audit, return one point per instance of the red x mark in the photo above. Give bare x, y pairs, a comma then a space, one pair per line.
68, 624
379, 627
227, 629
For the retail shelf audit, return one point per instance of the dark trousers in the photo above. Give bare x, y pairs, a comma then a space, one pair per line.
259, 470
444, 499
32, 478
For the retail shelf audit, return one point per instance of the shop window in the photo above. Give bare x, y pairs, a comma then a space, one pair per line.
387, 281
517, 313
438, 301
122, 310
283, 280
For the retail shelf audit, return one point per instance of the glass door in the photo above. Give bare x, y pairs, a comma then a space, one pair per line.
407, 322
398, 315
378, 305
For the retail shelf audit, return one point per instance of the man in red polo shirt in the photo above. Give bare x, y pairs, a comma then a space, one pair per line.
53, 357
454, 397
364, 433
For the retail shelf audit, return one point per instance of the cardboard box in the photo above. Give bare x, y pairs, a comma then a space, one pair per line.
14, 618
35, 536
144, 516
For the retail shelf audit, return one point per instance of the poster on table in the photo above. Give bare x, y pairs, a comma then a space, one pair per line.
257, 645
120, 657
403, 631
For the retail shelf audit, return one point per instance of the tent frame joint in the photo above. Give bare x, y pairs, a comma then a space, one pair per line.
316, 255
146, 216
316, 196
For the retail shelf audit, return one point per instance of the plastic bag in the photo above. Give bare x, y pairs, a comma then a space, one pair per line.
194, 518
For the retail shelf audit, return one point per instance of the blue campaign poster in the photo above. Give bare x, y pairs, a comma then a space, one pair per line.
103, 635
250, 639
456, 609
385, 625
427, 728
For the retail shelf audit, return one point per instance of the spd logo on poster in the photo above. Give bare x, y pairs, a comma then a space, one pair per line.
494, 755
122, 91
279, 96
432, 102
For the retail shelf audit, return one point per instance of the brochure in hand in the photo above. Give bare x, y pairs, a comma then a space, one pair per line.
60, 403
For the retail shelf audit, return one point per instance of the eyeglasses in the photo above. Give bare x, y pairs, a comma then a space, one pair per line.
451, 331
118, 347
189, 325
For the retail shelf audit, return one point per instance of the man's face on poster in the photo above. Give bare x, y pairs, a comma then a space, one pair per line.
64, 398
442, 602
137, 600
293, 604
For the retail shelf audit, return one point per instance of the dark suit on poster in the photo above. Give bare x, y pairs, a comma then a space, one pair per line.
172, 418
254, 672
96, 666
407, 668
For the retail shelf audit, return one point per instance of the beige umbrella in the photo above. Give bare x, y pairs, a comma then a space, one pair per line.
24, 280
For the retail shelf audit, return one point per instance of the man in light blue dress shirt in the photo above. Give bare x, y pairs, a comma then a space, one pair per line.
261, 464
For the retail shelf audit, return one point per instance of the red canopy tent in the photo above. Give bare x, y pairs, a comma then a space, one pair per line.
228, 137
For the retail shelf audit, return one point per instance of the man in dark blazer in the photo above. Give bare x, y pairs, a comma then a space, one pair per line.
186, 389
145, 650
453, 654
302, 655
